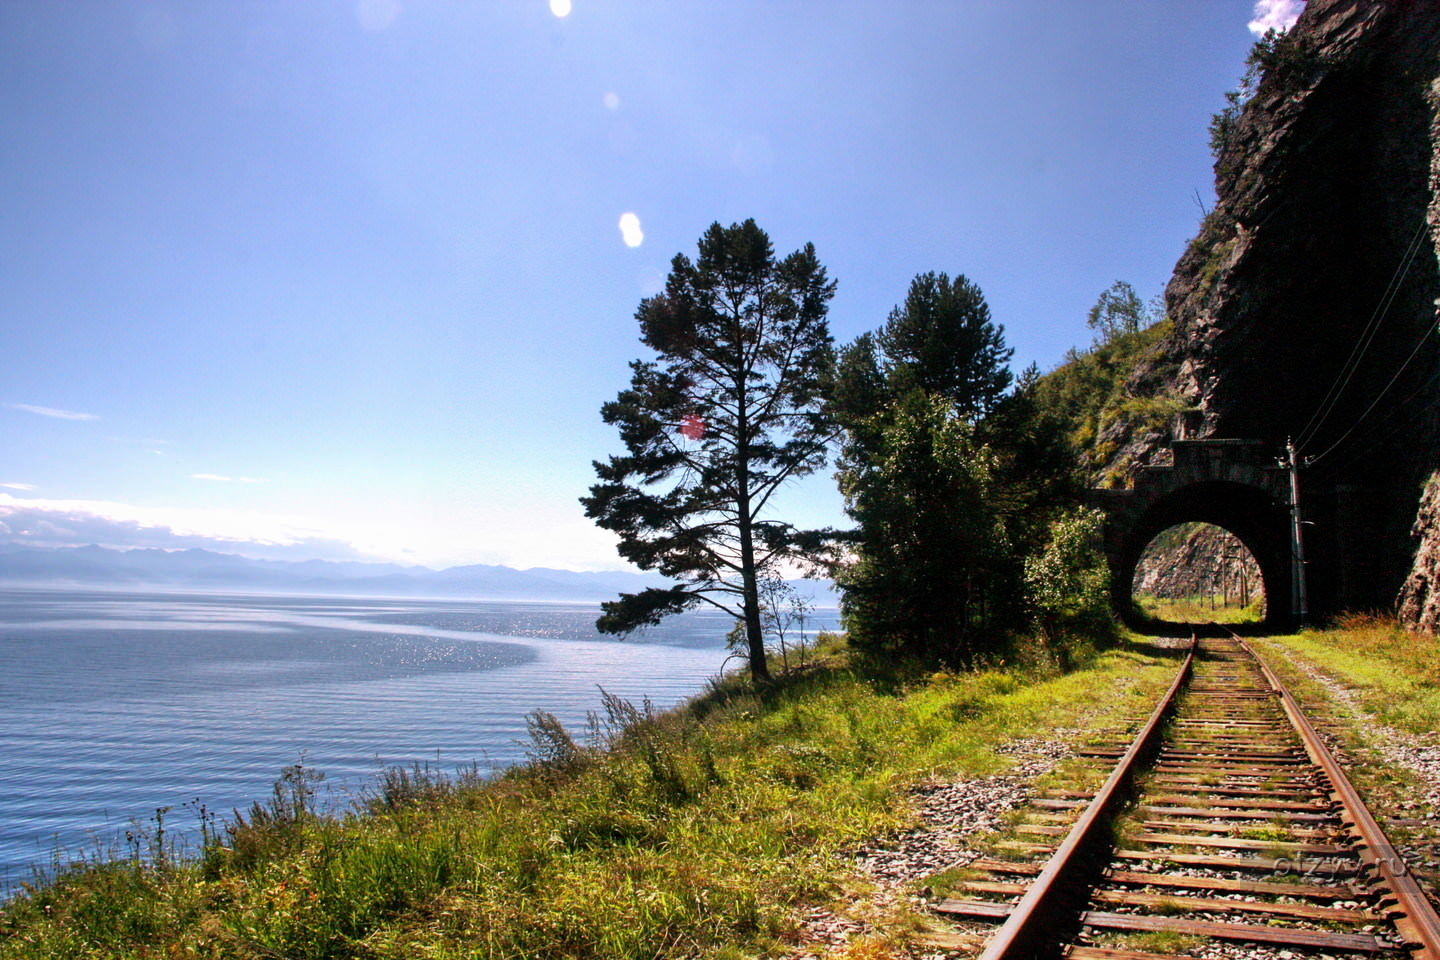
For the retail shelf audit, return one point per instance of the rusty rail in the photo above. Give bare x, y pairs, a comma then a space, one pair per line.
1029, 923
1236, 731
1413, 916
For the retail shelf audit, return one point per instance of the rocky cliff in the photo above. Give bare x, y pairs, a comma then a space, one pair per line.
1306, 305
1203, 560
1420, 597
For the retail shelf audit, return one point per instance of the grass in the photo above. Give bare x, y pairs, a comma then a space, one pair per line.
1198, 610
693, 832
1158, 941
1394, 672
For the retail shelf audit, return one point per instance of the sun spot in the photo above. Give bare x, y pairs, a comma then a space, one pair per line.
611, 100
630, 230
561, 8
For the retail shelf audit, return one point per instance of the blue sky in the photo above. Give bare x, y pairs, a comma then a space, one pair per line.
347, 279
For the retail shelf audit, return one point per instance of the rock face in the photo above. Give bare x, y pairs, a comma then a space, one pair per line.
1420, 597
1306, 305
1204, 560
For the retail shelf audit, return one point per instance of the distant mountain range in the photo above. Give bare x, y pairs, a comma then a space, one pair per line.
95, 566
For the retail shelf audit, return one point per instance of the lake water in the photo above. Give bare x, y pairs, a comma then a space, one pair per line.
115, 704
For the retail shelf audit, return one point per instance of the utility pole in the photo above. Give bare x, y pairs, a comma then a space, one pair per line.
1299, 601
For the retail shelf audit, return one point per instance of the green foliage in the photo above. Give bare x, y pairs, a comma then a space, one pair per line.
1119, 311
942, 342
934, 568
1068, 583
1090, 392
1279, 56
949, 473
726, 414
275, 827
1036, 472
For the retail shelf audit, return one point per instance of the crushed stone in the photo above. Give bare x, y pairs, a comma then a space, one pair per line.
950, 813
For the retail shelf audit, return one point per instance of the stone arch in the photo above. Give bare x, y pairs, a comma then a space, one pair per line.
1251, 513
1232, 483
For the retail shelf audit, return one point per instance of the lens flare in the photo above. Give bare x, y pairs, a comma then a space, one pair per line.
630, 230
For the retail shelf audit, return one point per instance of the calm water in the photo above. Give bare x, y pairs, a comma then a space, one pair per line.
114, 704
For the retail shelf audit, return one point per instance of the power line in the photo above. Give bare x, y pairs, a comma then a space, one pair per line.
1394, 424
1367, 336
1379, 396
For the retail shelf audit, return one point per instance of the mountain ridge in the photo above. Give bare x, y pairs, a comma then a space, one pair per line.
96, 566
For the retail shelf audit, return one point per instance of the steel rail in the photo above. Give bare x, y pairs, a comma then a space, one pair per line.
1032, 921
1414, 916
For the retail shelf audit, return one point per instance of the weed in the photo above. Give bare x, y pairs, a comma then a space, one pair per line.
1158, 941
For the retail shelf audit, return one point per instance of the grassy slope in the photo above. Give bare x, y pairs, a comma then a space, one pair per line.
696, 833
1394, 672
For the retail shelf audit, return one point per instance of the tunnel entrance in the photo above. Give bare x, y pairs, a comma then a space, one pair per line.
1251, 516
1197, 573
1231, 484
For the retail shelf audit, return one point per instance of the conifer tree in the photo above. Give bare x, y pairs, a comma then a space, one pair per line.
932, 562
727, 412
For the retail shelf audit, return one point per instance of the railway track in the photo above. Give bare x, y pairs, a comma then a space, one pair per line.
1224, 829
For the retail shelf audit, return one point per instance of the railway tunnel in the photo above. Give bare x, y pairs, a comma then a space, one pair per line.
1233, 484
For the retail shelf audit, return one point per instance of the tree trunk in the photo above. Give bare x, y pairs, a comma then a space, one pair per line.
754, 636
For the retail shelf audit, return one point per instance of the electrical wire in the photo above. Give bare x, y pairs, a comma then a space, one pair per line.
1393, 426
1367, 336
1379, 396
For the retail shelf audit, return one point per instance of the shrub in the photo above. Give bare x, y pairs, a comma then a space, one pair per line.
1068, 584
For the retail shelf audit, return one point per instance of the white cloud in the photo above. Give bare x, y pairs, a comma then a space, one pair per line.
55, 412
67, 523
18, 486
219, 478
1275, 15
630, 230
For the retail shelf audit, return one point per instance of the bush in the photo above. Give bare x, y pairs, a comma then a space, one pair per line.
1068, 584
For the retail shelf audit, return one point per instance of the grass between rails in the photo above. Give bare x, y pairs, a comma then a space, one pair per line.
671, 835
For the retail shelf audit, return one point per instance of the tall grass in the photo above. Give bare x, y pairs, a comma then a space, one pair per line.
676, 834
1199, 609
1394, 671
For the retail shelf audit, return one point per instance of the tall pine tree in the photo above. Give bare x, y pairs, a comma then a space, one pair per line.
932, 566
727, 412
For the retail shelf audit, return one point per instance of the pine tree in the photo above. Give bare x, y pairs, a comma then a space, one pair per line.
933, 564
726, 413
